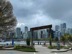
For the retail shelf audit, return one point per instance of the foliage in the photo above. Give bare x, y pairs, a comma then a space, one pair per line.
25, 48
28, 42
7, 19
1, 47
50, 40
56, 39
63, 38
61, 47
66, 37
54, 47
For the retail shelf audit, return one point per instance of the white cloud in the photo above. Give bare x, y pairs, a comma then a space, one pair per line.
20, 24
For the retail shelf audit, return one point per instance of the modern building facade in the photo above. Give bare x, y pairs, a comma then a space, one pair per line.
60, 30
69, 31
57, 28
18, 33
25, 34
63, 28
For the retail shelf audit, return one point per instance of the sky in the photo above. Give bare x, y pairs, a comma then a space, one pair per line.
33, 13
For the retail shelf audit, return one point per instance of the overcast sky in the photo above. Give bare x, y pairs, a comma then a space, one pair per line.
33, 13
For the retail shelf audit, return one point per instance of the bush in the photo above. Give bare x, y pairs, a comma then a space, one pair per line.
54, 47
25, 48
1, 47
61, 47
28, 42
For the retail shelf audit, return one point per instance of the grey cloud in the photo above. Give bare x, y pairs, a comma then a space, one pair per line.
26, 9
56, 9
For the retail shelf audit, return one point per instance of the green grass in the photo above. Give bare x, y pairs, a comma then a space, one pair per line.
25, 48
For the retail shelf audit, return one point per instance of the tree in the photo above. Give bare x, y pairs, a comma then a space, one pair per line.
63, 39
50, 36
66, 38
7, 19
50, 40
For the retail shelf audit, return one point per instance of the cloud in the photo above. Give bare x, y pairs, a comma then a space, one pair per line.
20, 24
42, 12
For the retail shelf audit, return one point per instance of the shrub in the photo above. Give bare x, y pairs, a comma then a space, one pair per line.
25, 48
1, 47
61, 47
54, 47
28, 42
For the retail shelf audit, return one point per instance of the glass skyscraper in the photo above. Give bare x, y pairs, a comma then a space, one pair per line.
25, 36
57, 28
63, 28
18, 32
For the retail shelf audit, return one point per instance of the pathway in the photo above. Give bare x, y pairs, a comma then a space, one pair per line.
39, 48
44, 50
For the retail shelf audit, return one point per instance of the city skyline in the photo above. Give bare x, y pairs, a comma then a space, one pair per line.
56, 27
59, 31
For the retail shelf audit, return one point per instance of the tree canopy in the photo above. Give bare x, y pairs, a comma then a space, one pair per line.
7, 19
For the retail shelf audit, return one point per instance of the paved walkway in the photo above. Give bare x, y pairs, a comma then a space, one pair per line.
14, 52
39, 48
45, 50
